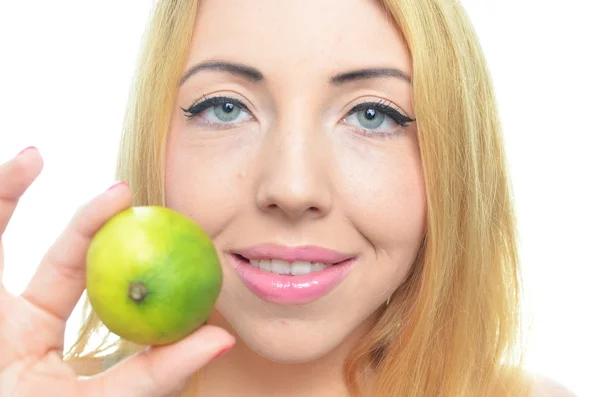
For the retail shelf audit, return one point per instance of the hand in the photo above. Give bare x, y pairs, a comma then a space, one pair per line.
32, 325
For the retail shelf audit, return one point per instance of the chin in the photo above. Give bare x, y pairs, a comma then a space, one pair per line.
284, 335
285, 347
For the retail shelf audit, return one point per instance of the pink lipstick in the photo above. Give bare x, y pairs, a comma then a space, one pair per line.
291, 275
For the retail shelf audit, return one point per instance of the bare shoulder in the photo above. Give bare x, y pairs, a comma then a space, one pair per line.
546, 387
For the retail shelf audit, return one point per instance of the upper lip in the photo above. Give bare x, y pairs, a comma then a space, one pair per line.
305, 253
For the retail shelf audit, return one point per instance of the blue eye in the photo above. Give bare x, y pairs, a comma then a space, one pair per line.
377, 118
370, 118
227, 112
219, 110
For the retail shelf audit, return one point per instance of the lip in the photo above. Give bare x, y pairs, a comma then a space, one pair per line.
287, 289
306, 253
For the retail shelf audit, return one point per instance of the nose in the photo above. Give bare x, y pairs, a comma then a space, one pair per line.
294, 177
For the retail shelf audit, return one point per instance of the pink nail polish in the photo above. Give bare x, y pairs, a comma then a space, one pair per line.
26, 149
223, 351
121, 183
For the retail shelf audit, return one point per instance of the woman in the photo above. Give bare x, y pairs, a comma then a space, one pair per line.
364, 130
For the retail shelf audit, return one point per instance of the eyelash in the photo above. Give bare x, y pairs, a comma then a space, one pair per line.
204, 103
384, 107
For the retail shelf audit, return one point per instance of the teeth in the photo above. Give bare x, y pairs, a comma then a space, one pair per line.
297, 268
279, 267
300, 268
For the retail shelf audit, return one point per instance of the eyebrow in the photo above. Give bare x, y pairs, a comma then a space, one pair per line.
254, 75
371, 73
247, 72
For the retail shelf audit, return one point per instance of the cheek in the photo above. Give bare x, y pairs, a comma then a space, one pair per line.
199, 184
385, 201
385, 197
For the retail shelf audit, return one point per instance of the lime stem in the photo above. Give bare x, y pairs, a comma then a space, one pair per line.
137, 291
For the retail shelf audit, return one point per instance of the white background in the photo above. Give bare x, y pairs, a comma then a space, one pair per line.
65, 71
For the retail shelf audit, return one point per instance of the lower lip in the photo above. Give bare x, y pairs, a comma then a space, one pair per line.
291, 290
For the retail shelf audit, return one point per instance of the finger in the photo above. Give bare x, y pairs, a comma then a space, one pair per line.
161, 371
59, 280
16, 175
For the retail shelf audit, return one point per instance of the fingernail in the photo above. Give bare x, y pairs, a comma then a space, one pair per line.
116, 185
223, 351
26, 149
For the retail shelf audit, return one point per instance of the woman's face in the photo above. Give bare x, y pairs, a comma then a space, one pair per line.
295, 146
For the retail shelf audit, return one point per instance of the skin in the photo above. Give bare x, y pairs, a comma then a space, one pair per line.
300, 171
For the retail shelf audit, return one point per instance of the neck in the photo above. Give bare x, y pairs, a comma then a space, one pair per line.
245, 373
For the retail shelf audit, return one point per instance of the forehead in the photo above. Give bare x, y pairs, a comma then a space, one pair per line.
275, 35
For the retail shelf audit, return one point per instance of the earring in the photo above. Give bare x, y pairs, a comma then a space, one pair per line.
387, 303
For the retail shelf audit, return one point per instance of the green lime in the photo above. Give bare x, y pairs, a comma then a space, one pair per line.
153, 275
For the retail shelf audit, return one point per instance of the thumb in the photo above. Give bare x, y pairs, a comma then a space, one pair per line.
163, 370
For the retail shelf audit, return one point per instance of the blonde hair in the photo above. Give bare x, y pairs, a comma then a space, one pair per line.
454, 327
